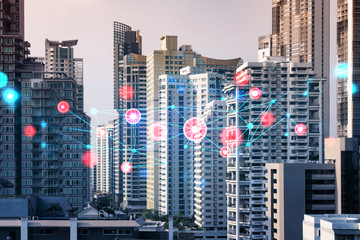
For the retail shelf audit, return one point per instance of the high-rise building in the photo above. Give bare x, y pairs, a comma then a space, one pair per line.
295, 189
134, 136
59, 57
301, 33
289, 98
126, 41
331, 227
175, 160
264, 47
168, 60
103, 179
344, 153
210, 169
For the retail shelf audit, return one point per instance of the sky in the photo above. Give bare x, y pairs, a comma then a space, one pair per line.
215, 28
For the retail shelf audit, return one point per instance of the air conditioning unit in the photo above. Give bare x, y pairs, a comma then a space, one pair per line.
35, 218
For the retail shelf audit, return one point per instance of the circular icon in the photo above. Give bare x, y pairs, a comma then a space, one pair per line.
63, 107
10, 96
126, 92
267, 119
195, 129
126, 167
224, 151
231, 137
255, 93
30, 131
133, 116
3, 79
89, 159
102, 132
300, 129
158, 131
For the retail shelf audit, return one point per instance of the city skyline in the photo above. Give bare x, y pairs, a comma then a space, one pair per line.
191, 28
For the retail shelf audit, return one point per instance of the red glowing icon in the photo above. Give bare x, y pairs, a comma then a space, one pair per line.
126, 167
126, 92
30, 131
89, 159
255, 93
242, 78
231, 137
195, 129
102, 132
158, 131
133, 116
63, 107
300, 129
267, 119
224, 151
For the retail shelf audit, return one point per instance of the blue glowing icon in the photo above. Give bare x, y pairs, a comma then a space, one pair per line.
342, 70
43, 124
93, 111
43, 145
88, 146
306, 94
354, 88
3, 79
10, 96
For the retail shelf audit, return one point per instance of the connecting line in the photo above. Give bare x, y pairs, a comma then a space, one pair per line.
180, 114
212, 142
224, 111
174, 125
149, 156
72, 138
244, 109
161, 141
243, 104
80, 130
93, 141
133, 136
81, 119
216, 120
137, 166
268, 129
97, 120
267, 110
280, 96
242, 118
131, 156
281, 108
121, 123
120, 143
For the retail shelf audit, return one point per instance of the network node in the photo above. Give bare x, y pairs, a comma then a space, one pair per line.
102, 132
134, 150
195, 129
126, 92
267, 119
10, 96
89, 159
286, 134
224, 152
43, 124
133, 116
255, 93
93, 111
273, 101
30, 131
250, 126
185, 146
242, 78
248, 144
231, 137
172, 106
126, 167
43, 145
158, 131
300, 129
88, 146
63, 107
288, 115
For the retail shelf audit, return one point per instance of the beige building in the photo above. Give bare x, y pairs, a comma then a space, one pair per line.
301, 33
168, 60
295, 189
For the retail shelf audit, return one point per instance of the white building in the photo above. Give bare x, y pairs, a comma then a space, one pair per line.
331, 227
103, 170
290, 95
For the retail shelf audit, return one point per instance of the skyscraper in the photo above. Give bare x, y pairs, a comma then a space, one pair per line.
103, 178
168, 60
264, 47
125, 42
301, 33
134, 136
291, 98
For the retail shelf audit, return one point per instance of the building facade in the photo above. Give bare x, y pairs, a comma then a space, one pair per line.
295, 189
168, 60
331, 227
301, 34
103, 179
135, 136
264, 47
289, 98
